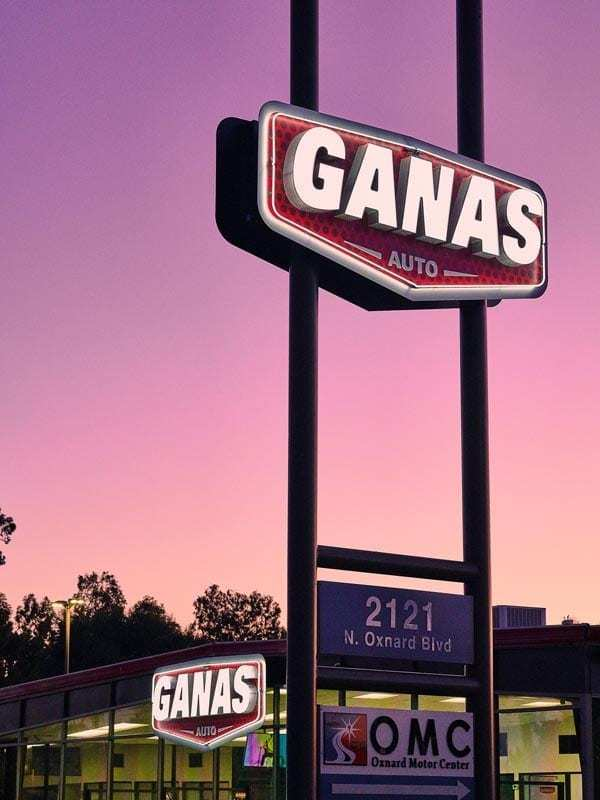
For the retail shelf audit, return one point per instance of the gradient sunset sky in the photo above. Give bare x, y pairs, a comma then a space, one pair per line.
144, 380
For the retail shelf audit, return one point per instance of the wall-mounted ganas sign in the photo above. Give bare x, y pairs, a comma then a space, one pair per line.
426, 223
205, 703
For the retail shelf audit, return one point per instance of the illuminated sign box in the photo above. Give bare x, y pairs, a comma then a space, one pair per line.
423, 222
207, 703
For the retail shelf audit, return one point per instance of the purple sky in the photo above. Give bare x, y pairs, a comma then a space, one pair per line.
144, 397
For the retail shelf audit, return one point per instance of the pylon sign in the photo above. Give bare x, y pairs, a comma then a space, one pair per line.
423, 222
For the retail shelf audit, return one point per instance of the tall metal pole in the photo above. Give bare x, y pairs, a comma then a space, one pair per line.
302, 455
67, 637
586, 746
474, 414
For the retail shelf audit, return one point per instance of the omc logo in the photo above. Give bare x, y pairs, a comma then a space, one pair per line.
345, 739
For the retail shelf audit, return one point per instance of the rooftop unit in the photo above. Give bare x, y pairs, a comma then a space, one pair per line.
519, 617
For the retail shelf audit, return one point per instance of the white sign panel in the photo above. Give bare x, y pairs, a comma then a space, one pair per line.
375, 751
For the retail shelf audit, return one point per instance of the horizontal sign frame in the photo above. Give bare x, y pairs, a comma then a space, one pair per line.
383, 622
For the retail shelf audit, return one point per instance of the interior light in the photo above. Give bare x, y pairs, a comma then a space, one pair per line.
540, 704
92, 733
282, 715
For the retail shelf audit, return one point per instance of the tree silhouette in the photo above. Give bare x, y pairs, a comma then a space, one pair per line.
149, 630
236, 617
38, 651
97, 623
104, 631
7, 528
7, 641
99, 594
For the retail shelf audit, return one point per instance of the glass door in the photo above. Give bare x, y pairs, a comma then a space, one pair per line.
543, 787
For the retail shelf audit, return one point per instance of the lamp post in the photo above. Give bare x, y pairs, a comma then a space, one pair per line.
67, 605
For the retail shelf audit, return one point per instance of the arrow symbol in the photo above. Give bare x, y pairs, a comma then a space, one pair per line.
458, 791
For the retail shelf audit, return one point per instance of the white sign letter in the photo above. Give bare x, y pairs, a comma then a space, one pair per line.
200, 705
161, 698
511, 211
474, 218
221, 703
247, 694
424, 198
181, 698
310, 184
370, 187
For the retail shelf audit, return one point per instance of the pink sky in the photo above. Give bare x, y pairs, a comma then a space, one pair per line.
144, 403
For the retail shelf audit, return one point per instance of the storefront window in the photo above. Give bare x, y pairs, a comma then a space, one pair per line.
86, 771
512, 702
8, 768
328, 698
135, 763
431, 702
539, 750
378, 699
41, 772
282, 703
191, 775
92, 727
133, 720
49, 733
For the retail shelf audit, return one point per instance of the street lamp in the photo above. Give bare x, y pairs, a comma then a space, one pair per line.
67, 605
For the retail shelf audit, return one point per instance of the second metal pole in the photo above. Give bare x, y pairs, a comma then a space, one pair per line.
474, 414
68, 637
302, 456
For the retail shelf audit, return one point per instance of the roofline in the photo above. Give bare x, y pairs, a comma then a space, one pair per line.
504, 639
140, 666
558, 635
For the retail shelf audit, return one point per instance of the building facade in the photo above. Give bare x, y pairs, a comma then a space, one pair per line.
88, 735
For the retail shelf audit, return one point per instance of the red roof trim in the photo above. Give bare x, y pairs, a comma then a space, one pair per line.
557, 635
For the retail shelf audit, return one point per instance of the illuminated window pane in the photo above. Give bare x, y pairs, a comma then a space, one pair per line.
135, 763
49, 733
86, 770
133, 720
327, 698
283, 705
41, 772
92, 727
533, 752
378, 699
430, 702
506, 702
182, 779
8, 772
